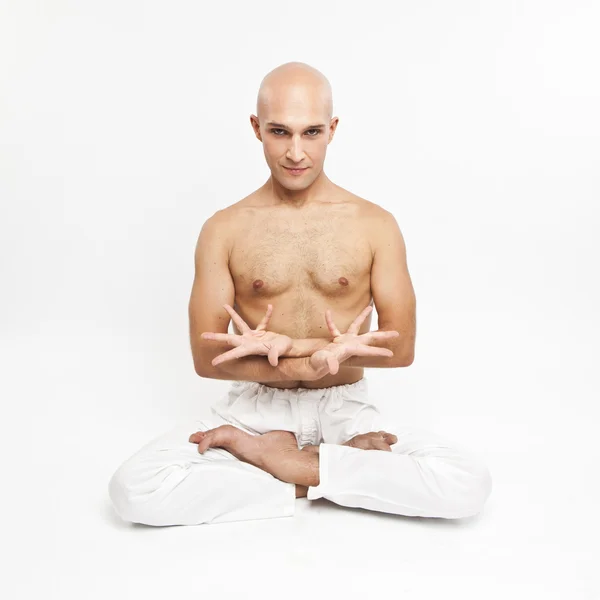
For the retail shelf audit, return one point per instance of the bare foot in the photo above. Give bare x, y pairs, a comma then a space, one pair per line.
246, 447
374, 440
275, 452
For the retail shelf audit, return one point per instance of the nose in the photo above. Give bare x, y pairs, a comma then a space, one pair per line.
295, 152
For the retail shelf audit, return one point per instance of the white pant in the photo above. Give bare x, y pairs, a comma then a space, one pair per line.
168, 482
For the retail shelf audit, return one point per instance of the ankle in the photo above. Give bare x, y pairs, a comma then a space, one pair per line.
314, 449
301, 491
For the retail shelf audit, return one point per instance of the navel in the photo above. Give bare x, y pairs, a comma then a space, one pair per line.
258, 283
343, 281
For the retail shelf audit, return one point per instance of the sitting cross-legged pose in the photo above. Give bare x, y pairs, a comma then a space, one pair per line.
297, 419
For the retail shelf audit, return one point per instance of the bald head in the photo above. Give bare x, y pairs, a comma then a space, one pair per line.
290, 87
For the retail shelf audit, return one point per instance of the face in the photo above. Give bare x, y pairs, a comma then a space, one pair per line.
295, 130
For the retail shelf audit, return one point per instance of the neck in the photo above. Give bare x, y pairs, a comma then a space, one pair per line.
298, 198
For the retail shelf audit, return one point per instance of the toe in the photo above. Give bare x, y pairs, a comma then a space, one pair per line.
196, 437
204, 444
382, 446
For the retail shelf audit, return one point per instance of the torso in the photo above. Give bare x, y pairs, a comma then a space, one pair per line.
303, 261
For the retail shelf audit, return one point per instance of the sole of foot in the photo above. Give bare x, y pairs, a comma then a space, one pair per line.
257, 450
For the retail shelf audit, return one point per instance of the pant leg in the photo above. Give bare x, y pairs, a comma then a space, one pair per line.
425, 475
168, 482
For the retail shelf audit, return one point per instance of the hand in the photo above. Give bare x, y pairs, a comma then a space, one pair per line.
252, 341
343, 346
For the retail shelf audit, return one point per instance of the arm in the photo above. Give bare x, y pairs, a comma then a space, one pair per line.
307, 346
258, 368
212, 288
394, 298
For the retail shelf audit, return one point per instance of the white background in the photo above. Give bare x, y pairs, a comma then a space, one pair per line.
125, 124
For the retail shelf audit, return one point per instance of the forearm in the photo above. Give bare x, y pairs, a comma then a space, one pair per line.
403, 355
258, 368
403, 352
373, 362
252, 368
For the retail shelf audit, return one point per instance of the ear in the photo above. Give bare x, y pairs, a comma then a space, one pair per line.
332, 127
256, 126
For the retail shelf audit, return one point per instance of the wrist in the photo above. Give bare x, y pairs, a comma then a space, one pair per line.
306, 347
339, 351
296, 369
294, 351
309, 373
347, 362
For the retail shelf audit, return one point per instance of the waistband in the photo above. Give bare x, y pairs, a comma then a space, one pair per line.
361, 384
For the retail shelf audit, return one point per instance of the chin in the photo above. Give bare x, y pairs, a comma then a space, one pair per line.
291, 183
299, 185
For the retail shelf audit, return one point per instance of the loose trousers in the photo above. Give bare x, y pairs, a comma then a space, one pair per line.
168, 482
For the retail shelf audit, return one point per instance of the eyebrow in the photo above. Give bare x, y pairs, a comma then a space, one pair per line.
286, 127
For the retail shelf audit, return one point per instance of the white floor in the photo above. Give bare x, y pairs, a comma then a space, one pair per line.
78, 401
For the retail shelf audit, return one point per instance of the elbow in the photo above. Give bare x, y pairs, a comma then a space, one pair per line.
206, 373
200, 372
408, 356
202, 367
407, 359
202, 357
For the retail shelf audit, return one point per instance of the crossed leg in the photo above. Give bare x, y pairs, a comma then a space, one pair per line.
277, 453
169, 482
424, 475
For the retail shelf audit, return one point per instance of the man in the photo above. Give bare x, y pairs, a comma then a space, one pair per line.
302, 260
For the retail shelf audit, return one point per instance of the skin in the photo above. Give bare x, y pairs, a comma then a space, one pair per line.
297, 96
305, 245
277, 453
323, 261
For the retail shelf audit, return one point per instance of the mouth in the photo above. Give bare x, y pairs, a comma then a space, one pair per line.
295, 171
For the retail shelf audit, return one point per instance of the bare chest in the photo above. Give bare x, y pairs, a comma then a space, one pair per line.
328, 256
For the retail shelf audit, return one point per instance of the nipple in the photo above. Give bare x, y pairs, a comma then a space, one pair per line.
343, 281
258, 284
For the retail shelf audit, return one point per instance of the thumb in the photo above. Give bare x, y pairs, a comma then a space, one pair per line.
333, 364
273, 358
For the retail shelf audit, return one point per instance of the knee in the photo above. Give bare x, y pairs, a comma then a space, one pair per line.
482, 485
139, 496
125, 494
473, 489
466, 489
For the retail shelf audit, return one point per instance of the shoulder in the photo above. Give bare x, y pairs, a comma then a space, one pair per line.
367, 209
225, 224
218, 230
230, 217
239, 212
380, 226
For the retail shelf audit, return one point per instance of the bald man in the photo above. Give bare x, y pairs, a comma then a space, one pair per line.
296, 266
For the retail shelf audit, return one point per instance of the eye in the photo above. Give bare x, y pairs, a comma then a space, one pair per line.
276, 129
